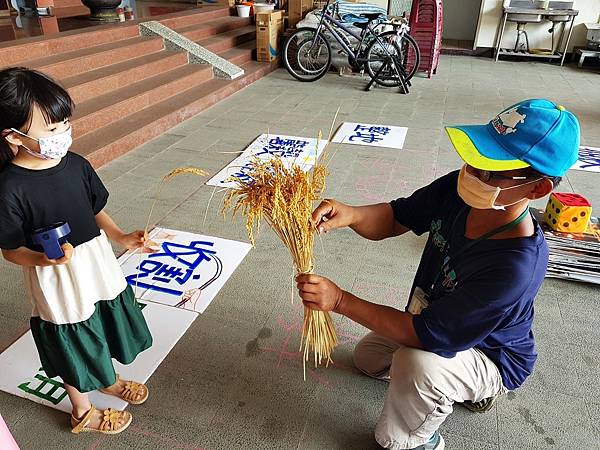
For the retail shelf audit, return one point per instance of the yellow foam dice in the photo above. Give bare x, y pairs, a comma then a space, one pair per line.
568, 212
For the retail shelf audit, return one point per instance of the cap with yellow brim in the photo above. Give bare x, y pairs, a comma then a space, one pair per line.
534, 133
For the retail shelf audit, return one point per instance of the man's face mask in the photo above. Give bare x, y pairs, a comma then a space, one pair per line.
480, 195
51, 147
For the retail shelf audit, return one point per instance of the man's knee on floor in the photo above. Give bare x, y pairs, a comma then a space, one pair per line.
363, 357
369, 359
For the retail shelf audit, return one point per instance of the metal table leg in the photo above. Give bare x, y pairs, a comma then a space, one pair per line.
563, 27
499, 42
562, 60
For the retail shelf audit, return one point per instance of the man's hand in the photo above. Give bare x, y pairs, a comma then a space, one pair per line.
135, 240
68, 254
331, 214
319, 293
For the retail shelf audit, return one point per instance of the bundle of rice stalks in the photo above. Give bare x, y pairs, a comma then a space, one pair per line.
284, 196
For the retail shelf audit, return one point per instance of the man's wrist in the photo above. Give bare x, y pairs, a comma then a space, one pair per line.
352, 213
342, 303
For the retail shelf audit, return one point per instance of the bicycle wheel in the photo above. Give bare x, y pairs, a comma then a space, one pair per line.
403, 49
306, 58
411, 55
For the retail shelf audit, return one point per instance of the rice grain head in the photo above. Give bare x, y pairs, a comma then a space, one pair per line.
181, 170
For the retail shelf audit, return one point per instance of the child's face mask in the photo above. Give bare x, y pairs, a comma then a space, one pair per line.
51, 147
480, 195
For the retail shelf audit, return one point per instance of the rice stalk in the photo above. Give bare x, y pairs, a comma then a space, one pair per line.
168, 177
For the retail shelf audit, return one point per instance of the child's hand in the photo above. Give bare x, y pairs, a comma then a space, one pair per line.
135, 240
67, 250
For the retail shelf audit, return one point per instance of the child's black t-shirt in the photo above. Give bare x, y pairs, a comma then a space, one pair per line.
30, 199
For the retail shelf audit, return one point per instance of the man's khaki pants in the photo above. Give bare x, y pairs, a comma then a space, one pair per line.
423, 387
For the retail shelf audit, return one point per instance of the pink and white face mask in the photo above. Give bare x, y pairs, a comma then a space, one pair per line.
51, 147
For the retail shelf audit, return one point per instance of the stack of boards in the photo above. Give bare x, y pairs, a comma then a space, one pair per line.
573, 256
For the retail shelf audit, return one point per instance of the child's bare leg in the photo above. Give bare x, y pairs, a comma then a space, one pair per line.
81, 405
81, 402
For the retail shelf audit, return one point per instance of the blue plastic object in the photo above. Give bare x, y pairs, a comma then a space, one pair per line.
51, 238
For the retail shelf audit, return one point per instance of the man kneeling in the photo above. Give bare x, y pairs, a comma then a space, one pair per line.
466, 333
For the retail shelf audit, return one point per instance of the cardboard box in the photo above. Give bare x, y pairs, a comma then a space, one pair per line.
269, 28
297, 9
318, 4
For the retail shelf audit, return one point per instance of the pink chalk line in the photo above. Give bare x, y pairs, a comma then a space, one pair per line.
283, 353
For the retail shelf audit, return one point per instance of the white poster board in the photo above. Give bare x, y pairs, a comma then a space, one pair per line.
291, 149
22, 374
371, 135
589, 159
187, 271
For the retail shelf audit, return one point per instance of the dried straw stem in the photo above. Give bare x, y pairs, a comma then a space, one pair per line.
175, 172
168, 177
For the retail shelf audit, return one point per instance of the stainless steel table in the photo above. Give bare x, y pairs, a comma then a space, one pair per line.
584, 53
545, 13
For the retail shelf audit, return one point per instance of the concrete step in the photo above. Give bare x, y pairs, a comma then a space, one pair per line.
225, 41
71, 11
195, 17
106, 144
107, 109
79, 61
64, 3
200, 31
98, 82
69, 41
241, 54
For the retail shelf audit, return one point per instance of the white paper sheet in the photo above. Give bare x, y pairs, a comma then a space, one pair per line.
291, 149
22, 375
371, 135
187, 271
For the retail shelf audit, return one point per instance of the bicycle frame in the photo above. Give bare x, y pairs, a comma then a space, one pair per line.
326, 21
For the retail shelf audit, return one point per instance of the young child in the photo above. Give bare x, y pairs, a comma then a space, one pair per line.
84, 313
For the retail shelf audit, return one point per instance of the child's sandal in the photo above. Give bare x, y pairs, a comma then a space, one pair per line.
108, 425
131, 392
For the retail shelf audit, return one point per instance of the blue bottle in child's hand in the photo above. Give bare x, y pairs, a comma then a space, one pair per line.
51, 238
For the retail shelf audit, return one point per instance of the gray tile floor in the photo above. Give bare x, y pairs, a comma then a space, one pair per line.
234, 380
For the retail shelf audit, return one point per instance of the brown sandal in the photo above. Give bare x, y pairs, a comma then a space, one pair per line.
109, 424
130, 392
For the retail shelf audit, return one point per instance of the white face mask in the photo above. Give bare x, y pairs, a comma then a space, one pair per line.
51, 147
480, 195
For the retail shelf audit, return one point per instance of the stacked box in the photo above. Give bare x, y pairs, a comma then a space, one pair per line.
297, 9
269, 28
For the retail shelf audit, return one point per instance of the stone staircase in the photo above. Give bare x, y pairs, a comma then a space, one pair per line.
69, 8
128, 88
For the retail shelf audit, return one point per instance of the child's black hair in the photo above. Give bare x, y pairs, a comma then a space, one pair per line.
20, 90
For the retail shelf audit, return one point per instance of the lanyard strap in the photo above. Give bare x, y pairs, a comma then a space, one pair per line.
474, 242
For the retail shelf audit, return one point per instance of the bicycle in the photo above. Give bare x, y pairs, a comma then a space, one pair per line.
391, 58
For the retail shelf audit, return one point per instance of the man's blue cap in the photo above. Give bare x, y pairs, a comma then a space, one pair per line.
536, 133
